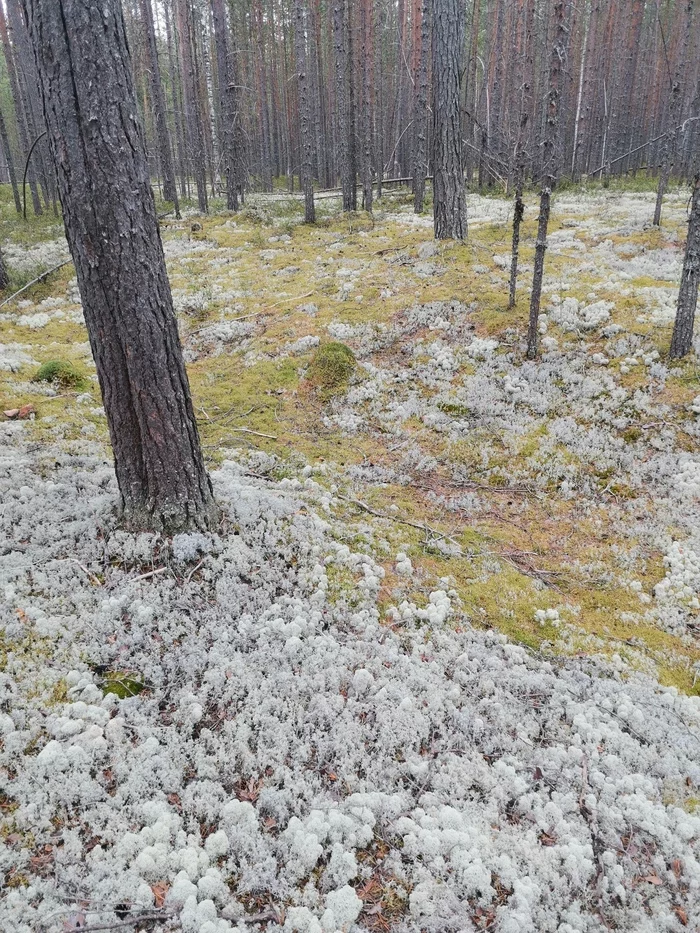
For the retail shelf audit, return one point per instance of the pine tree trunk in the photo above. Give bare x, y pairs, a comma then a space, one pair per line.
10, 163
161, 127
367, 59
682, 339
99, 152
347, 180
518, 214
449, 198
226, 104
177, 110
22, 130
192, 121
4, 277
307, 143
420, 116
550, 159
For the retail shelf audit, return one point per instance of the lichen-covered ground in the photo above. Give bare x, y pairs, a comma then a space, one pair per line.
437, 670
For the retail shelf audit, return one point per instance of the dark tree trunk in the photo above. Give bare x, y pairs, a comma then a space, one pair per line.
98, 148
449, 198
10, 163
420, 115
682, 339
518, 214
161, 126
227, 108
177, 110
307, 143
550, 159
4, 277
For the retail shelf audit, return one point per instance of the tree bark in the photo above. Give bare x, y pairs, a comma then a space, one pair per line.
4, 277
10, 163
307, 143
227, 108
682, 339
550, 160
161, 126
449, 198
192, 122
420, 114
98, 148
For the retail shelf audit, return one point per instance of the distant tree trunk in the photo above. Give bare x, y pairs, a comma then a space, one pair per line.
420, 114
343, 106
4, 277
524, 73
10, 163
22, 130
99, 151
670, 141
307, 142
161, 126
192, 120
177, 109
518, 214
550, 160
367, 111
227, 110
682, 339
449, 198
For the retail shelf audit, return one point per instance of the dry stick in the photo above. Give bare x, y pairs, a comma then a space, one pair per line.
272, 437
151, 573
34, 281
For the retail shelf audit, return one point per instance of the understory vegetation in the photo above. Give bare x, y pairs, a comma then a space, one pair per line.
439, 668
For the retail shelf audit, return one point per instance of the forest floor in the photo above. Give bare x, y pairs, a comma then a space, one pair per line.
439, 669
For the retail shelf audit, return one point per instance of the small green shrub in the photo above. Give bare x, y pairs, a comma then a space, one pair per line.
331, 368
61, 373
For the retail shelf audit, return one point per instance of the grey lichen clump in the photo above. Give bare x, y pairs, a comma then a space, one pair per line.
60, 373
331, 368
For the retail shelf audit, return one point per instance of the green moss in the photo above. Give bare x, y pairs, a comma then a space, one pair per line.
60, 373
331, 367
122, 684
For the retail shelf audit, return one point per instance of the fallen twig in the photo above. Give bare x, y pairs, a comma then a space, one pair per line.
34, 281
151, 573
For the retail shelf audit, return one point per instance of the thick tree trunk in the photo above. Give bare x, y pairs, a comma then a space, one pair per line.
161, 126
98, 148
449, 198
682, 340
307, 143
420, 113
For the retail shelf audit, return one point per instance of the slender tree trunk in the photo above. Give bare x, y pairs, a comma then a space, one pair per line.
4, 277
551, 156
226, 103
22, 129
682, 339
449, 198
192, 120
99, 151
161, 126
307, 143
518, 214
10, 163
420, 115
347, 178
367, 111
670, 141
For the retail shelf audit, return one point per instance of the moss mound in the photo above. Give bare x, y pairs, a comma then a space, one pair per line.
331, 368
61, 373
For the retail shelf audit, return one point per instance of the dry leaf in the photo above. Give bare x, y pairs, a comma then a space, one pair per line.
11, 412
25, 411
682, 915
652, 879
160, 889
